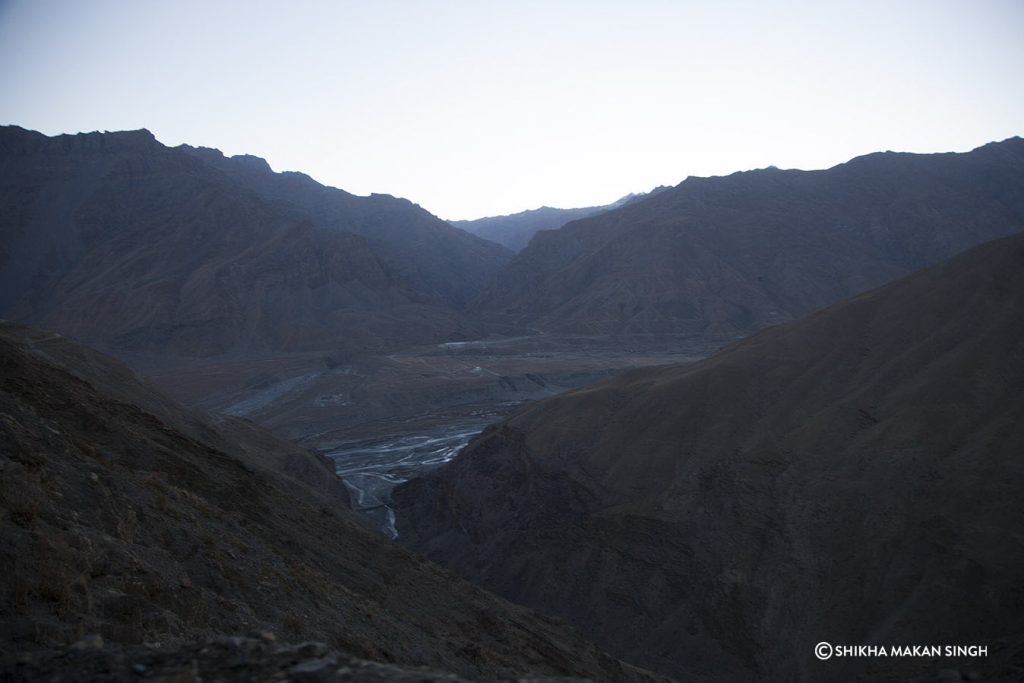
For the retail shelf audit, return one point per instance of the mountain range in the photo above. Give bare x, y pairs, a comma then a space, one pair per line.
169, 256
129, 245
733, 254
850, 474
852, 477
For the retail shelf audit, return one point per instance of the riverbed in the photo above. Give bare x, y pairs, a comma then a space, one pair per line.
372, 468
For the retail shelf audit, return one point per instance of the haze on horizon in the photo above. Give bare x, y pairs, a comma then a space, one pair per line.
483, 108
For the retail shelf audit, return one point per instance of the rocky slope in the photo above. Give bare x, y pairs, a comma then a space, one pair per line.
122, 242
729, 255
429, 253
126, 516
853, 477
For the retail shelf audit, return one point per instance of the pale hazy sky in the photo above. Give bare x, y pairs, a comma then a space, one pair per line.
478, 108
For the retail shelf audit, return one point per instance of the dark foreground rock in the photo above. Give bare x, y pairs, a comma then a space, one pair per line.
227, 659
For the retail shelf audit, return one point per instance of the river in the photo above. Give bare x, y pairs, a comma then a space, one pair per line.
372, 468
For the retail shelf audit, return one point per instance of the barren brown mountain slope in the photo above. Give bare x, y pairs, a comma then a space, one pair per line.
853, 477
127, 244
125, 515
428, 252
733, 254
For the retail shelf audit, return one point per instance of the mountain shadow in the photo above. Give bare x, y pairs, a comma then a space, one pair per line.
852, 477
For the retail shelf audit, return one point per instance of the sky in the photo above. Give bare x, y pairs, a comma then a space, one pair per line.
474, 108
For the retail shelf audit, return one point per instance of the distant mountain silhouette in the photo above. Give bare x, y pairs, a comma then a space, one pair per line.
515, 230
120, 241
852, 477
730, 255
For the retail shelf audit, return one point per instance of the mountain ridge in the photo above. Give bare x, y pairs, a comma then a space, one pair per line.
732, 254
393, 220
516, 230
134, 246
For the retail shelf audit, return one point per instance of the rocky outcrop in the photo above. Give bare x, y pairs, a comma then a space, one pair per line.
853, 477
223, 659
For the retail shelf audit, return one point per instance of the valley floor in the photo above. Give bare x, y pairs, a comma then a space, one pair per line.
387, 418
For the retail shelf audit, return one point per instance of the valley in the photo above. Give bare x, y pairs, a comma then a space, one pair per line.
387, 419
254, 406
316, 399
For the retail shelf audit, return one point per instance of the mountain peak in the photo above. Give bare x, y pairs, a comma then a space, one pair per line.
247, 162
112, 141
252, 162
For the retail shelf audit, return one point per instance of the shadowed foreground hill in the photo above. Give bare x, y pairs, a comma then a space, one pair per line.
730, 255
124, 515
853, 477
